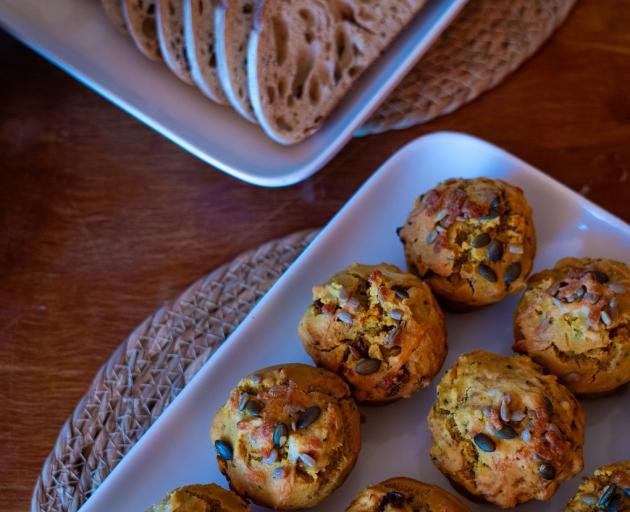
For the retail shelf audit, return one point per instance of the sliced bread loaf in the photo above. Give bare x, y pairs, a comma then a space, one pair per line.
140, 19
304, 55
200, 47
114, 10
233, 25
170, 30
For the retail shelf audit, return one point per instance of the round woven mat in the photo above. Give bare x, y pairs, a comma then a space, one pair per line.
486, 42
150, 368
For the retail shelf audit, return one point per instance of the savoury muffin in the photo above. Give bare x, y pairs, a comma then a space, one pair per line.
379, 328
287, 436
200, 498
471, 240
405, 495
503, 431
607, 490
574, 320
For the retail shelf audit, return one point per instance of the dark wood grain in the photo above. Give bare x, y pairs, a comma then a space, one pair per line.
102, 220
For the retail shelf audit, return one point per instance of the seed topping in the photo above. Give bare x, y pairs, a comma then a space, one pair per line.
224, 450
367, 366
345, 317
396, 314
273, 456
495, 251
512, 272
515, 249
242, 401
599, 276
280, 435
487, 273
307, 460
279, 473
507, 432
308, 417
481, 240
547, 471
253, 407
606, 496
484, 443
400, 291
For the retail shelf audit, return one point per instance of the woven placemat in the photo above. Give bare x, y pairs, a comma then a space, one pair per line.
486, 42
150, 368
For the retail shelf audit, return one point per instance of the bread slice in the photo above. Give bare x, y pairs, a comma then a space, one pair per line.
233, 24
170, 30
114, 10
200, 42
304, 56
140, 19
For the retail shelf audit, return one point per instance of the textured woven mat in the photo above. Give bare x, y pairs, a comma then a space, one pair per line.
150, 368
487, 41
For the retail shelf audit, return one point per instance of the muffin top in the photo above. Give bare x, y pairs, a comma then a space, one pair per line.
379, 328
607, 490
287, 436
472, 240
573, 319
200, 498
405, 495
504, 431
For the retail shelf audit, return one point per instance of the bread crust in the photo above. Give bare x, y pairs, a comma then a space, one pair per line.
233, 24
170, 30
200, 48
114, 10
141, 23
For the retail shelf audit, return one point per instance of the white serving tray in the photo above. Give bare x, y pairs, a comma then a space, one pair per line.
177, 449
75, 35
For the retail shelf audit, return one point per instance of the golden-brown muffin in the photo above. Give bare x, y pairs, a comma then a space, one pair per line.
405, 495
201, 498
472, 240
379, 328
505, 432
287, 436
608, 490
574, 319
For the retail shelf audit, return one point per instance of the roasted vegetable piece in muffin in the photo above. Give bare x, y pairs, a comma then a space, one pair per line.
405, 495
379, 328
505, 432
608, 490
200, 498
472, 240
574, 320
287, 436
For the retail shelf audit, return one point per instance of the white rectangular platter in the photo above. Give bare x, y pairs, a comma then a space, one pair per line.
177, 449
77, 36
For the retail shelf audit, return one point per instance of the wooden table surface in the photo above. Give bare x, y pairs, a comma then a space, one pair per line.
102, 219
